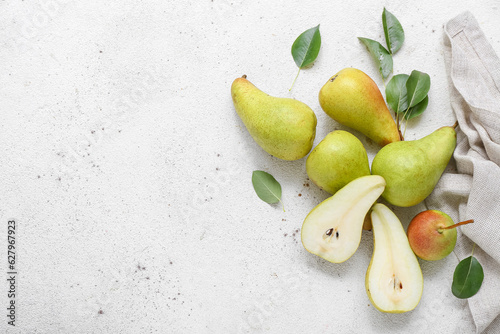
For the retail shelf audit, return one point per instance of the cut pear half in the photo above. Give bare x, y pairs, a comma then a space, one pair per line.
394, 281
332, 230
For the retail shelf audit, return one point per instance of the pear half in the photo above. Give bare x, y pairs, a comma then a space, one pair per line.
332, 230
394, 281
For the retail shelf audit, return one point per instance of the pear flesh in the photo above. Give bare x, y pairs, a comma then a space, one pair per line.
413, 168
283, 127
332, 230
353, 99
394, 281
337, 160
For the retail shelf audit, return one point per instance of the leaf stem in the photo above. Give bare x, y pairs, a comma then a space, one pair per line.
406, 124
397, 122
293, 83
283, 205
405, 119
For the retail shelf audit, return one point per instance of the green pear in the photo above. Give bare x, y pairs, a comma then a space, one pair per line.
337, 160
433, 235
353, 99
332, 230
413, 168
394, 281
284, 128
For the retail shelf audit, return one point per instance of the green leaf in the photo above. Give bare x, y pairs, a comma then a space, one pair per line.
395, 93
467, 278
417, 85
266, 187
417, 109
380, 55
394, 33
306, 47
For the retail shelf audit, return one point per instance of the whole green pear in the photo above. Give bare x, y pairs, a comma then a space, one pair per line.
337, 160
413, 168
283, 127
353, 99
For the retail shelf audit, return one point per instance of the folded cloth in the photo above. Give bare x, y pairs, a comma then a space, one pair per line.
473, 192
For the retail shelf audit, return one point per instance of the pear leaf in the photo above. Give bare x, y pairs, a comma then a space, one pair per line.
266, 187
306, 47
417, 109
380, 55
394, 33
467, 278
396, 94
417, 85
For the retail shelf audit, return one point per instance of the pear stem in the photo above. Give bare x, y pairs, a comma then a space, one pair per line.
454, 126
293, 83
244, 76
458, 224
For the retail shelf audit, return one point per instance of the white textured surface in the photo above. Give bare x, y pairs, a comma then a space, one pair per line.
129, 172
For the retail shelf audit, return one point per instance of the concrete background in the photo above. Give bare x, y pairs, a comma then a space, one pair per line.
129, 172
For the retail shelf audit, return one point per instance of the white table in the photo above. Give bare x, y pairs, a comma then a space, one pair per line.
129, 172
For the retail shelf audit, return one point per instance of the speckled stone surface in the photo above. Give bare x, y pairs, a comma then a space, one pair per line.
129, 173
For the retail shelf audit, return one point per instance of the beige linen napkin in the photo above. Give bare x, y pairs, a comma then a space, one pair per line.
474, 191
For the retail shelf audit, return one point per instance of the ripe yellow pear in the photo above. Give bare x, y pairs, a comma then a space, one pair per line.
337, 160
353, 99
413, 168
283, 127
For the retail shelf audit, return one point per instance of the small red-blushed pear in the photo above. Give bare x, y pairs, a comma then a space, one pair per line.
432, 235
